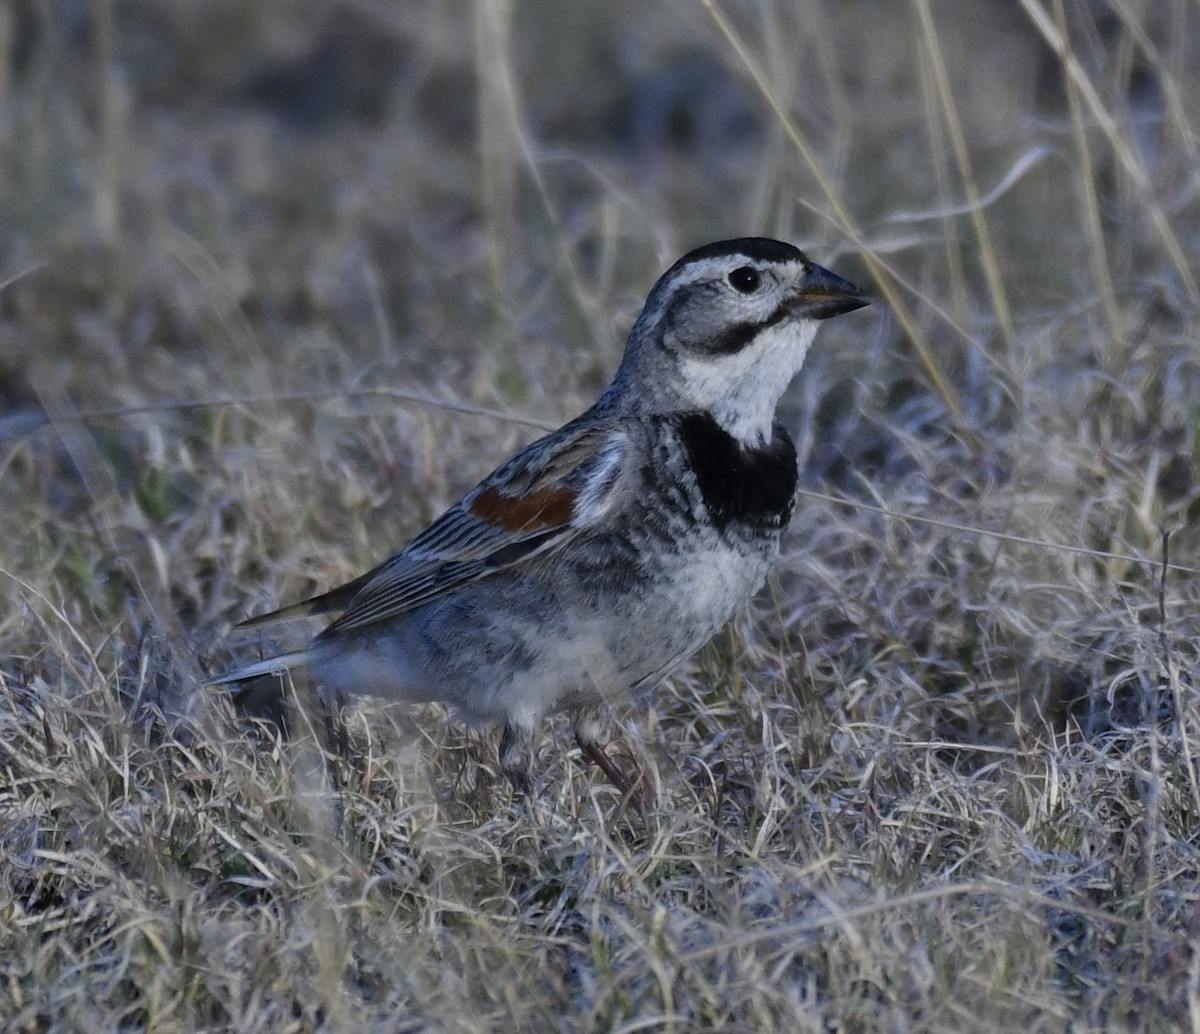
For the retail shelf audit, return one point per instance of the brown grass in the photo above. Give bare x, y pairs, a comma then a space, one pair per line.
941, 778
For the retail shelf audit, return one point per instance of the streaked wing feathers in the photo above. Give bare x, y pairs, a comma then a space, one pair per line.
529, 506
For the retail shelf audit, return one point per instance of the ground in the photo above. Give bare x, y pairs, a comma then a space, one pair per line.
279, 281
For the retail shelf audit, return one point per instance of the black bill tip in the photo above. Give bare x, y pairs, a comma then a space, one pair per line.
826, 294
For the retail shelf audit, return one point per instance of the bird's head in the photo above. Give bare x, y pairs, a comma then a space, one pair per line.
725, 330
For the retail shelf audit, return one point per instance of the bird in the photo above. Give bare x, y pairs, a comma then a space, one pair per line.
596, 560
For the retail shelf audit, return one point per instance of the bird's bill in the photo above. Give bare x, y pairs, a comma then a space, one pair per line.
826, 294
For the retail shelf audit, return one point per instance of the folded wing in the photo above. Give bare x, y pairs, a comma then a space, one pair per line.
530, 506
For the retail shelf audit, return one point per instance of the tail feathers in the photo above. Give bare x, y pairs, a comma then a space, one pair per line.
335, 599
271, 666
296, 610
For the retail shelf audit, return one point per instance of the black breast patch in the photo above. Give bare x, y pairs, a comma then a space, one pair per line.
740, 485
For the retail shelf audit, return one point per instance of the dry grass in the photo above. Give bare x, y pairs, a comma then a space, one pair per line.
942, 779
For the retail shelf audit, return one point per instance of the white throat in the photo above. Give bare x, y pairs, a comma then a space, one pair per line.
742, 390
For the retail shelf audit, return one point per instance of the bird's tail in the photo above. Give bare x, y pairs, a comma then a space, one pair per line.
335, 599
271, 666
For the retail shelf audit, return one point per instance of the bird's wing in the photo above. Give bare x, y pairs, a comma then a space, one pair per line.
529, 506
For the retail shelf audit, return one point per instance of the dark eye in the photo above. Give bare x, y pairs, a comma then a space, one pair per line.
745, 279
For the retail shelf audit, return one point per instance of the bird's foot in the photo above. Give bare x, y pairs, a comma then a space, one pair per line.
634, 790
514, 758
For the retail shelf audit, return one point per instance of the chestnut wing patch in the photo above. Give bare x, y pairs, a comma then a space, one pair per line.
534, 511
529, 507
